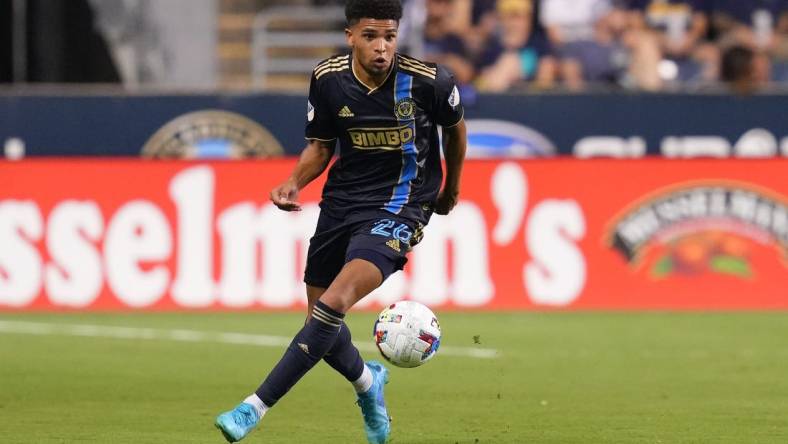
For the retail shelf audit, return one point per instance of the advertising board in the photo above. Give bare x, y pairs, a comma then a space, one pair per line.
537, 234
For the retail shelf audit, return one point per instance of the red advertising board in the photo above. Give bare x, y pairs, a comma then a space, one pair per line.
537, 234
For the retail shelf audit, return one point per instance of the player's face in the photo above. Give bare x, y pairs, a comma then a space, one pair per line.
374, 43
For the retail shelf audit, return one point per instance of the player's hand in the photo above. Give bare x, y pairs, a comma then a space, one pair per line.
285, 196
447, 199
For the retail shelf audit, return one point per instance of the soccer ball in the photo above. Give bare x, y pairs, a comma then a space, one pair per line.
407, 334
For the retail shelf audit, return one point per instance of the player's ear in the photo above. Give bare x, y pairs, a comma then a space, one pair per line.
349, 36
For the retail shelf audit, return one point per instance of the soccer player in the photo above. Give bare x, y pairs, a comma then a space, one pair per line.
385, 109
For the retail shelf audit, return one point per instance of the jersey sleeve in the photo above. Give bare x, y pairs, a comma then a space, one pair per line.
319, 125
448, 110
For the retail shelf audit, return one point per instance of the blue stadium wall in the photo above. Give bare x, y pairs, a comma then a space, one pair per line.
623, 125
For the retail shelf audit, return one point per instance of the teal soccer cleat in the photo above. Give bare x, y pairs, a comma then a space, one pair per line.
238, 422
377, 423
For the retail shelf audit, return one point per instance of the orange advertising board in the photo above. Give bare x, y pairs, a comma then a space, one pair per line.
536, 234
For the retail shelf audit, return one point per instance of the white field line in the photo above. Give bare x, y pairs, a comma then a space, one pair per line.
106, 331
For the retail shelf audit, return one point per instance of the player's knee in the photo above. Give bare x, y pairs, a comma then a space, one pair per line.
357, 279
339, 299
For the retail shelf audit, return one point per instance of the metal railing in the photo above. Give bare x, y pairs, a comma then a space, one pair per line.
307, 28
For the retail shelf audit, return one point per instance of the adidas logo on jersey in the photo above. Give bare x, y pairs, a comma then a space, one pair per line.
394, 245
346, 112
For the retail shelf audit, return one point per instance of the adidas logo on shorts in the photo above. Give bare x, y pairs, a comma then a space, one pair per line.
394, 245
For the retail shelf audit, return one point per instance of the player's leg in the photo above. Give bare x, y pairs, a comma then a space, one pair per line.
324, 331
381, 243
325, 259
365, 269
308, 347
357, 279
343, 357
313, 293
367, 379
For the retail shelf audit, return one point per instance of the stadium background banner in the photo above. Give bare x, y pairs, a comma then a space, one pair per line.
588, 125
540, 234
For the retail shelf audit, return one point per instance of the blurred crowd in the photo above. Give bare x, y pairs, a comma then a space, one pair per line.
651, 45
490, 45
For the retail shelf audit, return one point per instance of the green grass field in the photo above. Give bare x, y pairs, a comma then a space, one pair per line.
558, 378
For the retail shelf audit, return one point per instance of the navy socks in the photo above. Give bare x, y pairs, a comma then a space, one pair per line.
344, 357
309, 346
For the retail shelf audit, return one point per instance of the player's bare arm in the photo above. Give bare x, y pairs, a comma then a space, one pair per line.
313, 161
454, 146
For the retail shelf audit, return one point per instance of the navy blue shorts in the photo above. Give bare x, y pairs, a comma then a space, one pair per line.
376, 236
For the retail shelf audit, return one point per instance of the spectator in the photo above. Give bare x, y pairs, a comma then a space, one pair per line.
460, 16
517, 53
744, 70
759, 24
484, 24
680, 27
577, 31
442, 45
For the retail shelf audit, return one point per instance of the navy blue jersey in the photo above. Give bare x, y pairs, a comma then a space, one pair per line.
389, 156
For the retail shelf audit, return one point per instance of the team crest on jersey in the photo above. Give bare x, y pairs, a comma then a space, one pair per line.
405, 108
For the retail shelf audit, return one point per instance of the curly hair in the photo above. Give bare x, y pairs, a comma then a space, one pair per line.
356, 10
